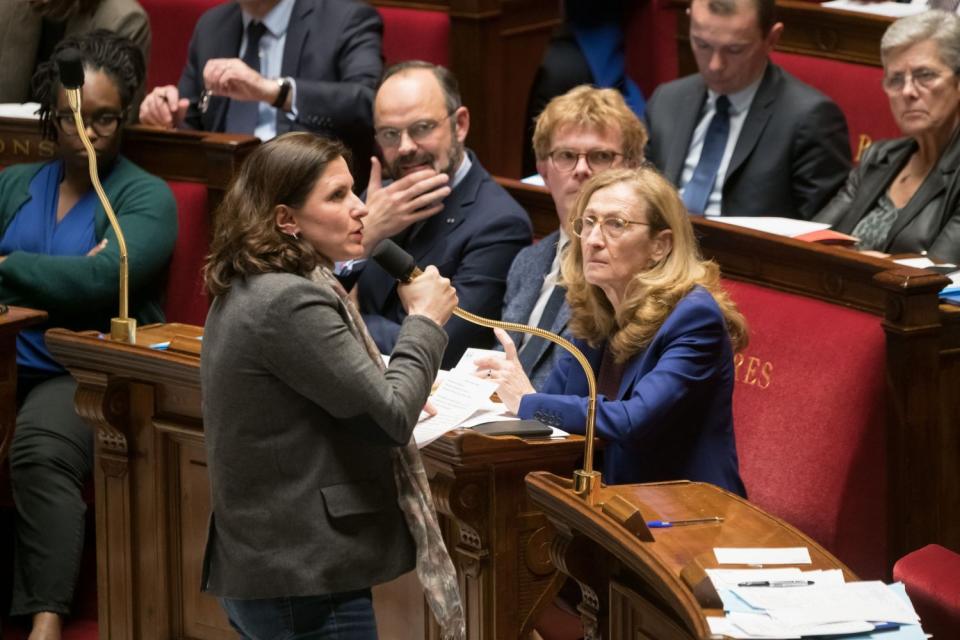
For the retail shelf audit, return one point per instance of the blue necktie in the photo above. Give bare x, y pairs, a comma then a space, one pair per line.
529, 351
242, 116
697, 192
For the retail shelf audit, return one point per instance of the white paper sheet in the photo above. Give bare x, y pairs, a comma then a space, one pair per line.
458, 397
778, 226
762, 555
850, 602
14, 110
465, 364
889, 9
732, 578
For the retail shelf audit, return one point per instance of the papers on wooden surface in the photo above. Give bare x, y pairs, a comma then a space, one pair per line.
889, 9
787, 227
762, 555
14, 110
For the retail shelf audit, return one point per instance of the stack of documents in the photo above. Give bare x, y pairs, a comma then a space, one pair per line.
950, 293
792, 603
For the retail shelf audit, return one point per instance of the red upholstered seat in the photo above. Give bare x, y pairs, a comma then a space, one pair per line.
186, 300
932, 578
808, 418
171, 26
651, 44
855, 88
412, 34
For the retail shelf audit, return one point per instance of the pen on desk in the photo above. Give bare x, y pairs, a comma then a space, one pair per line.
666, 524
777, 583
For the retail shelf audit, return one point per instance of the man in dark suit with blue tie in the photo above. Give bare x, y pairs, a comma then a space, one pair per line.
441, 206
743, 137
266, 67
579, 133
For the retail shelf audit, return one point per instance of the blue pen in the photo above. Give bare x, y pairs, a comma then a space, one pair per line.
666, 524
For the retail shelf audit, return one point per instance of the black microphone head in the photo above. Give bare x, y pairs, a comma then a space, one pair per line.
70, 65
394, 260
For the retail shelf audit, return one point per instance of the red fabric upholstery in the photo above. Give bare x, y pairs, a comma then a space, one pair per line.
932, 578
412, 34
651, 45
186, 300
855, 88
809, 424
171, 25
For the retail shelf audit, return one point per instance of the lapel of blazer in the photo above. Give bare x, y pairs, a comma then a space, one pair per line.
876, 176
425, 245
757, 117
297, 32
225, 43
935, 184
685, 123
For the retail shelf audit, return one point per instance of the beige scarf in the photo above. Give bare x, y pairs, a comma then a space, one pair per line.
434, 566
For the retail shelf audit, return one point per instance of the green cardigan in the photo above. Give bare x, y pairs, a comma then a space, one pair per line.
81, 292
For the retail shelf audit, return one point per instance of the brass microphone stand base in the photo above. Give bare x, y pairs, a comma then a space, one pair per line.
123, 330
586, 485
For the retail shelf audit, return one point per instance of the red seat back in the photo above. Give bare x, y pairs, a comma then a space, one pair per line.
651, 45
808, 415
414, 34
186, 300
171, 26
857, 90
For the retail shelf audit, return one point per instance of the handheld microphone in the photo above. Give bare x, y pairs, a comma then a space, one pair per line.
401, 265
70, 68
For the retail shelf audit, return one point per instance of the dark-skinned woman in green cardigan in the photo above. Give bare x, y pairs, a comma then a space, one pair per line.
58, 253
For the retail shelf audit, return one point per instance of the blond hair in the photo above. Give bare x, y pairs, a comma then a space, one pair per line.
653, 293
600, 109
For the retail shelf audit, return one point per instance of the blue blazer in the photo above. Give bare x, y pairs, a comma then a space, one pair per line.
672, 418
472, 241
524, 282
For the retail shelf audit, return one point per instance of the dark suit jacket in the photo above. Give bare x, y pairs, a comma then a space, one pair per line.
524, 282
332, 51
300, 427
472, 241
792, 154
930, 221
672, 418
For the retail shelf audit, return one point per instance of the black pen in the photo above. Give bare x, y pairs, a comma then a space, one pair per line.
777, 583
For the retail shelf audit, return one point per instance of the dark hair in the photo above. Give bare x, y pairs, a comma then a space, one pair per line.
766, 11
246, 239
448, 83
102, 50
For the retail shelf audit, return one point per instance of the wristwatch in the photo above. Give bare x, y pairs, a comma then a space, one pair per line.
284, 84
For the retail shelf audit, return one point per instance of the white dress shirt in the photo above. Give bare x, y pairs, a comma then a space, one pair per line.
739, 106
271, 62
549, 282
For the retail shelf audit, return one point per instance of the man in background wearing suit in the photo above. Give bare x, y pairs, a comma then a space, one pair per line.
442, 207
579, 133
743, 137
265, 67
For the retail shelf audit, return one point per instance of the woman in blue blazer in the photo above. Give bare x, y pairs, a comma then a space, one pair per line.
658, 330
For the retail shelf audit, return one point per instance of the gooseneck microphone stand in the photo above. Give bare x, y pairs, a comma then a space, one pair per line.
70, 65
586, 482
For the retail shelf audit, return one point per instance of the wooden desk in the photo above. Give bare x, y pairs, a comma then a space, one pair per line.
187, 156
152, 497
11, 322
634, 588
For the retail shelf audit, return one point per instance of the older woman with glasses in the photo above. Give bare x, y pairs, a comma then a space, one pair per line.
58, 253
905, 195
658, 330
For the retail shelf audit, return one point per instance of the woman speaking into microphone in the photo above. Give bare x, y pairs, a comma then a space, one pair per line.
658, 329
317, 493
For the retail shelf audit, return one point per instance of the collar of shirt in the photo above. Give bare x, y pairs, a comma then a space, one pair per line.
739, 101
462, 170
277, 19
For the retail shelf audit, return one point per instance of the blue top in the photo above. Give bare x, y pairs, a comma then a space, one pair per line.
34, 229
672, 418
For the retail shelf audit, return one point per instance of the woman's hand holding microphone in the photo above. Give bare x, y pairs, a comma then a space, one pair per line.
430, 295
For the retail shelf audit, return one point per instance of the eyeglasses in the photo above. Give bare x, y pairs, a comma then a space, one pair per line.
597, 159
104, 123
390, 137
922, 78
611, 227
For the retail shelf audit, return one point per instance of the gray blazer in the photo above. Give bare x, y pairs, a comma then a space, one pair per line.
300, 424
20, 29
524, 281
930, 221
792, 155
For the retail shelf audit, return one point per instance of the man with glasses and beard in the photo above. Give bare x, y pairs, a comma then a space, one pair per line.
441, 206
